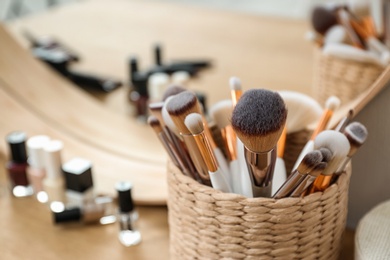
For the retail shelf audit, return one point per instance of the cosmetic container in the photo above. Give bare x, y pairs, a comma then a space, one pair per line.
17, 165
79, 183
127, 216
54, 183
100, 210
36, 171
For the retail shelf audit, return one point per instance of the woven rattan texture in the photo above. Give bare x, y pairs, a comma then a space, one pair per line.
343, 78
208, 224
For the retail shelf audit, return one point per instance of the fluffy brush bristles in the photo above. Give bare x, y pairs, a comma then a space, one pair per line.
332, 103
337, 143
258, 119
168, 120
235, 83
356, 134
318, 169
180, 106
326, 154
194, 123
221, 113
310, 161
172, 90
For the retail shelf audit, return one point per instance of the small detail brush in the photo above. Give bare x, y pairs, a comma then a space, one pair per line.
308, 180
296, 177
194, 123
258, 120
235, 89
332, 103
356, 134
339, 146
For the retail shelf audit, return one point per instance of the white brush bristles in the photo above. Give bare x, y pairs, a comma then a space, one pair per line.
221, 112
194, 123
235, 83
332, 103
302, 110
337, 143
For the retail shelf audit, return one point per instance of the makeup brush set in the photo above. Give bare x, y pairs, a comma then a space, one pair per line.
240, 150
352, 47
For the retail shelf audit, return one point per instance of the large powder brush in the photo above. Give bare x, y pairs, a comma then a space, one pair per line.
258, 120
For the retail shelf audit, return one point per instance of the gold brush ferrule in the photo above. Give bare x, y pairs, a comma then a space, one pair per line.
261, 169
206, 151
230, 141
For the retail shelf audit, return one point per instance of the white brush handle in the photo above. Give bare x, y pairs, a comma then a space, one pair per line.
236, 177
309, 147
223, 165
376, 45
280, 175
219, 182
349, 52
246, 184
376, 10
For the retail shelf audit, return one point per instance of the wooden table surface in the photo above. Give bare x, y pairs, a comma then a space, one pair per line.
263, 51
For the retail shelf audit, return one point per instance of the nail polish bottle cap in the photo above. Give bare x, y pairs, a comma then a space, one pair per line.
125, 200
52, 157
133, 65
68, 215
158, 54
78, 174
17, 144
140, 83
35, 151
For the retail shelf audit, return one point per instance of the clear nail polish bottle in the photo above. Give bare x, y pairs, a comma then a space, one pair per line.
36, 171
128, 216
54, 183
79, 182
17, 165
101, 210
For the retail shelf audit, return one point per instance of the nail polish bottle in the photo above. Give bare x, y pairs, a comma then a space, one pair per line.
79, 183
36, 171
17, 166
101, 210
128, 234
54, 183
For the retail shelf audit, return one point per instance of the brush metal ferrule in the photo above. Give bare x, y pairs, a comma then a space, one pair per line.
290, 184
261, 169
302, 187
196, 158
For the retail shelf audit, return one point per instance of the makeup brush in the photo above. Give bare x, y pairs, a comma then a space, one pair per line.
280, 174
344, 121
236, 93
356, 134
172, 90
178, 107
332, 103
296, 177
258, 120
338, 144
156, 126
302, 110
301, 189
194, 123
344, 18
235, 89
323, 18
327, 154
221, 113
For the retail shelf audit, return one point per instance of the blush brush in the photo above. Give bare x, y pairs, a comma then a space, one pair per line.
258, 120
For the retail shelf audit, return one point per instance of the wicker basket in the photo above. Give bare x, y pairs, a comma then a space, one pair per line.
343, 78
208, 224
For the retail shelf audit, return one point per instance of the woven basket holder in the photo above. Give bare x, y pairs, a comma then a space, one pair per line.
343, 78
208, 224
